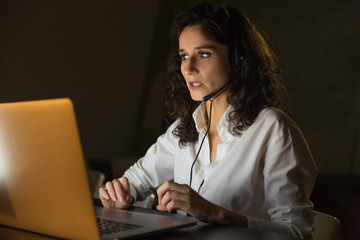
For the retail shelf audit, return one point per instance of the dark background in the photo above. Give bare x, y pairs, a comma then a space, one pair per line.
109, 57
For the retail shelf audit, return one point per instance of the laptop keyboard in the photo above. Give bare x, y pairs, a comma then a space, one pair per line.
107, 226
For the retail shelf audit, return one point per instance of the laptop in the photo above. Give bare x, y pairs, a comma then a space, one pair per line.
44, 186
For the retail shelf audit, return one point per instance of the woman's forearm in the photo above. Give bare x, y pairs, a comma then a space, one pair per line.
225, 216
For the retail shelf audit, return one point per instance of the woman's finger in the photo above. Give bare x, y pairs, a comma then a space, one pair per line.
118, 190
172, 201
161, 208
168, 186
173, 196
126, 187
162, 190
174, 205
122, 190
110, 189
169, 196
103, 194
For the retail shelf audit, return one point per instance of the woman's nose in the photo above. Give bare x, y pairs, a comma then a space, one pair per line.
189, 66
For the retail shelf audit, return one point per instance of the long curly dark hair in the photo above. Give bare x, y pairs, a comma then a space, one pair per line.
255, 83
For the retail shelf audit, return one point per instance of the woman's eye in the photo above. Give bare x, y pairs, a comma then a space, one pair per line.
204, 54
184, 57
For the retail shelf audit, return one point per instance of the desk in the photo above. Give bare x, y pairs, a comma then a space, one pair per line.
199, 232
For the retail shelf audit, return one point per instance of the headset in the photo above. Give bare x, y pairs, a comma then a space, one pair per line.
237, 55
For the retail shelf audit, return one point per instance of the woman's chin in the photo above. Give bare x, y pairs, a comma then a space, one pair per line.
197, 98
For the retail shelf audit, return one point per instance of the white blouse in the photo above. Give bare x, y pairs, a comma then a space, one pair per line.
266, 174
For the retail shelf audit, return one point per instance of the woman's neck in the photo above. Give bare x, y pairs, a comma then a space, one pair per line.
219, 106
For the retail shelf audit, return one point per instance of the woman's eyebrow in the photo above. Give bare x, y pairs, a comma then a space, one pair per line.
200, 47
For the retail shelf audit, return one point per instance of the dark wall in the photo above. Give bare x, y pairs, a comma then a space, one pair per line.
110, 59
318, 44
94, 52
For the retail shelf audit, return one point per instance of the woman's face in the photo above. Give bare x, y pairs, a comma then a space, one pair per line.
205, 64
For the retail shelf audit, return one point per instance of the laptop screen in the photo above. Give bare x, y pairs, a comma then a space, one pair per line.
44, 185
43, 180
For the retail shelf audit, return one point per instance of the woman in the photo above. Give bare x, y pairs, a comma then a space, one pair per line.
230, 156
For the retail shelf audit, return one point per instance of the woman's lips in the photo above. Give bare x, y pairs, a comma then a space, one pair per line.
193, 85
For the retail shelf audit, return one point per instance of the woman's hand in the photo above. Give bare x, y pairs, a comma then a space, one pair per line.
173, 196
116, 194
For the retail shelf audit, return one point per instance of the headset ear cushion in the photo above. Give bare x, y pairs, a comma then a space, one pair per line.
237, 58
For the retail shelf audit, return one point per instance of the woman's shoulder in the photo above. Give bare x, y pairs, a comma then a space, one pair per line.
272, 112
167, 140
173, 125
169, 134
274, 115
275, 123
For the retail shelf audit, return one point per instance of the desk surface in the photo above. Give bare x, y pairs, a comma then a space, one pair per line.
199, 232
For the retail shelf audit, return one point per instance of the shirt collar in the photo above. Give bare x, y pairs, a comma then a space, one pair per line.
224, 127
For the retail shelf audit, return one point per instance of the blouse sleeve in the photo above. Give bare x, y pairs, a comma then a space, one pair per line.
289, 176
156, 167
